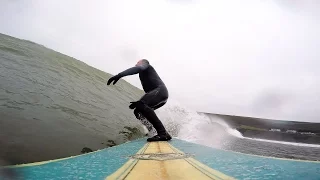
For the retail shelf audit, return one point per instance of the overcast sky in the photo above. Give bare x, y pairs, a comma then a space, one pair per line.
241, 57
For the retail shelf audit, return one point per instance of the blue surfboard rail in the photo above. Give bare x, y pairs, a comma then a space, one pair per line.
101, 164
246, 166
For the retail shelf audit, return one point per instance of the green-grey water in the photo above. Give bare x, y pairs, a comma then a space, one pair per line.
52, 105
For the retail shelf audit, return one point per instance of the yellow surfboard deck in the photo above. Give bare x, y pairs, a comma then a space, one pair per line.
175, 159
160, 160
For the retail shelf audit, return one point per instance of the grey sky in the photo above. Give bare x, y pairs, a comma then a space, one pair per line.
244, 57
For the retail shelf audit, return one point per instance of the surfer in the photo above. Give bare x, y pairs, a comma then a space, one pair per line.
156, 96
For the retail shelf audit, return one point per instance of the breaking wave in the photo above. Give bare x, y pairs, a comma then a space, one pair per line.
189, 125
186, 124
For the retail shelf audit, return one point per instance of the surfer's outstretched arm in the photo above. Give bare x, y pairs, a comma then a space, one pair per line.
140, 66
134, 70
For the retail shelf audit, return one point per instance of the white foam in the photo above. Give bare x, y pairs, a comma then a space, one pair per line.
284, 142
186, 124
228, 129
191, 126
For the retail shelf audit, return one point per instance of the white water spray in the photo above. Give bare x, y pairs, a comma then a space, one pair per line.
284, 142
191, 126
188, 125
228, 129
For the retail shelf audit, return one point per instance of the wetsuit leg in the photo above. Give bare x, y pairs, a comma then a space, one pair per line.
145, 122
155, 98
158, 105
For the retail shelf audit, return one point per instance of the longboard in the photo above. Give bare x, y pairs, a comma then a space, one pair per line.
175, 159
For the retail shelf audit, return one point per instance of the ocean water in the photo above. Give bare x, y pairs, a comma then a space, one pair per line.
214, 132
52, 106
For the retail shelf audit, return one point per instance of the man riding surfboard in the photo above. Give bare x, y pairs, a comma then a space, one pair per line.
156, 96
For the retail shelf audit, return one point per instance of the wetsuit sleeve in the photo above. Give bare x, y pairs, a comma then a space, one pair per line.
134, 70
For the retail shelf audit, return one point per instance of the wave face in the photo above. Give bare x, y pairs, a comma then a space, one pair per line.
52, 105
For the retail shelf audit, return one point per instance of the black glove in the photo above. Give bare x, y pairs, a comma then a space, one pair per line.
133, 105
114, 78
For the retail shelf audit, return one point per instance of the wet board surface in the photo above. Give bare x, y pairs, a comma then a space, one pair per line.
176, 159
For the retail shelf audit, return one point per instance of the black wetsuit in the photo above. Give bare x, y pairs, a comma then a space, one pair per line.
156, 93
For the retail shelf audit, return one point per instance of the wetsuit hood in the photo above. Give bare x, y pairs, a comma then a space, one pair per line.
143, 61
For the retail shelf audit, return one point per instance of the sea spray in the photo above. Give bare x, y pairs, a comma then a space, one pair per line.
184, 123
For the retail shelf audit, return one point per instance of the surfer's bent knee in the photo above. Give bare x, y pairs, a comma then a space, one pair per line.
141, 106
